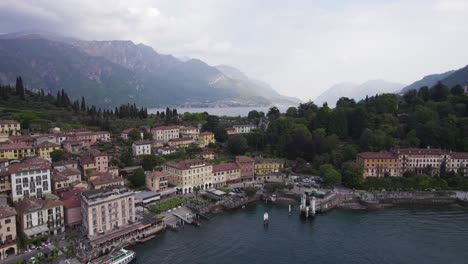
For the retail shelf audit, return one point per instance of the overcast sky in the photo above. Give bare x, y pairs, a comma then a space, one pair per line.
300, 47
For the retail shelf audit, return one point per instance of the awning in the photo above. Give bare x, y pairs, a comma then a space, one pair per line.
36, 230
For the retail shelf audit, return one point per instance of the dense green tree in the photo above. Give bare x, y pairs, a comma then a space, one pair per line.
352, 174
237, 144
137, 178
56, 155
134, 135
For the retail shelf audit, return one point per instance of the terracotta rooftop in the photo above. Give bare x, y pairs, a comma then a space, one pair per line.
262, 160
34, 204
181, 139
5, 209
142, 142
187, 164
422, 151
225, 166
206, 133
459, 155
157, 174
71, 198
106, 178
128, 130
244, 159
47, 144
378, 155
32, 164
11, 146
165, 128
64, 162
188, 128
8, 122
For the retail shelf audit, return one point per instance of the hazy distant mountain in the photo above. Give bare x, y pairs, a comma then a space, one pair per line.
109, 73
356, 91
450, 78
260, 87
428, 81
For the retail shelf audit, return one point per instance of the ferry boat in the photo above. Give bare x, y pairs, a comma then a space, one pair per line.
123, 256
265, 219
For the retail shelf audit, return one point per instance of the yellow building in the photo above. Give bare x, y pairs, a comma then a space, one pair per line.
10, 127
377, 164
264, 166
45, 148
16, 151
182, 142
8, 245
188, 174
206, 138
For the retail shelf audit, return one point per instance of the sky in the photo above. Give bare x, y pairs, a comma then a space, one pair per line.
300, 47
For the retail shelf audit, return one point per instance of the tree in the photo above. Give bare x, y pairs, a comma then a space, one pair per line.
352, 174
329, 175
273, 113
457, 90
220, 134
439, 92
148, 162
196, 189
137, 178
56, 155
291, 112
250, 191
212, 122
20, 88
134, 135
253, 115
83, 105
237, 144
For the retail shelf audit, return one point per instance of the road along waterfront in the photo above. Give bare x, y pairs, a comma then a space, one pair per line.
397, 235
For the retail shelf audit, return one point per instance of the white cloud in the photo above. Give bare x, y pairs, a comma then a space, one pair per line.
300, 47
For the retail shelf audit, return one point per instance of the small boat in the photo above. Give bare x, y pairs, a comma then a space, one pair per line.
123, 256
273, 197
266, 219
196, 223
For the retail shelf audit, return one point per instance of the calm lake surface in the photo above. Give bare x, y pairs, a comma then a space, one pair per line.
222, 111
402, 235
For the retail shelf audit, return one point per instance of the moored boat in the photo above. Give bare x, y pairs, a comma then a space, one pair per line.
123, 256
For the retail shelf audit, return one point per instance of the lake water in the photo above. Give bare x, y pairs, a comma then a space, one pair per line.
387, 236
222, 111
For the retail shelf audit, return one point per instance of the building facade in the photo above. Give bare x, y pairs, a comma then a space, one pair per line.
206, 138
107, 209
165, 133
14, 151
188, 174
246, 166
156, 181
182, 142
267, 166
226, 173
10, 127
142, 147
30, 179
44, 149
40, 217
8, 245
379, 164
188, 131
244, 129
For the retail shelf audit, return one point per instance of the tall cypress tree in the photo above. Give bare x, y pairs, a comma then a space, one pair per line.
83, 104
20, 88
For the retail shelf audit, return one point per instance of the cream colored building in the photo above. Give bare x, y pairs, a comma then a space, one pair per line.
8, 245
10, 127
142, 147
188, 174
165, 133
40, 217
206, 138
226, 173
156, 181
188, 131
182, 142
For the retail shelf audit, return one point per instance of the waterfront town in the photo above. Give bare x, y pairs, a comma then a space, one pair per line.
63, 184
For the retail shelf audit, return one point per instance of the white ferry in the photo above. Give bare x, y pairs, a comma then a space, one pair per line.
123, 256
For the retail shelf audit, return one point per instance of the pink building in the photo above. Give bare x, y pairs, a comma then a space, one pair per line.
94, 160
107, 209
246, 165
72, 206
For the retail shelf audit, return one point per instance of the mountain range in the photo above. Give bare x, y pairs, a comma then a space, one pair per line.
110, 73
450, 79
356, 91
